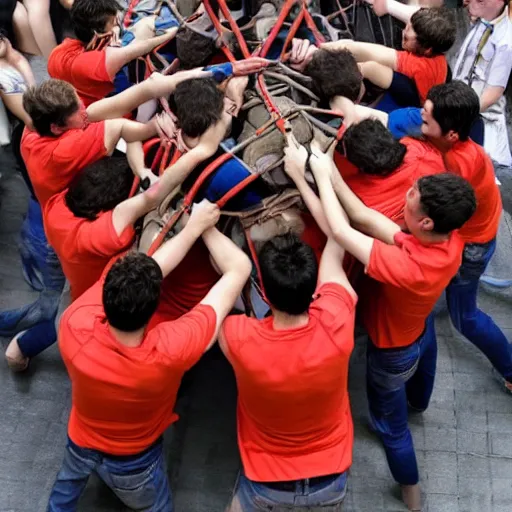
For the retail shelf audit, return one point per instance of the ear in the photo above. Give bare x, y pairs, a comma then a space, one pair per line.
452, 137
427, 224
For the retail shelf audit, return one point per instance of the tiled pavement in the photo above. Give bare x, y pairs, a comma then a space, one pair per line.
463, 441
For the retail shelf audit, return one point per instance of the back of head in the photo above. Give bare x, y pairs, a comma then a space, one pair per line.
335, 74
370, 146
192, 49
449, 200
455, 107
199, 105
91, 16
51, 102
131, 291
435, 29
100, 187
289, 273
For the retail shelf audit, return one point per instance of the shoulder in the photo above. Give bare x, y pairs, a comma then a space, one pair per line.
237, 326
333, 298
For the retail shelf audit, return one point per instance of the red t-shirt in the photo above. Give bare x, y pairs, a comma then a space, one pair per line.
123, 397
186, 286
85, 71
408, 279
294, 418
53, 162
469, 160
313, 235
425, 71
84, 247
386, 194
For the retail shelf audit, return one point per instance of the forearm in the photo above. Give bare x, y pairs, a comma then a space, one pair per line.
402, 12
378, 74
133, 131
345, 107
172, 252
135, 157
22, 65
363, 52
226, 255
314, 205
490, 96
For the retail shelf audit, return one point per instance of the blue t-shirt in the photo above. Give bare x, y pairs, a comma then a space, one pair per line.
405, 122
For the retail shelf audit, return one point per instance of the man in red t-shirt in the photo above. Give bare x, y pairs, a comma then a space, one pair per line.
410, 271
409, 74
295, 431
125, 377
448, 116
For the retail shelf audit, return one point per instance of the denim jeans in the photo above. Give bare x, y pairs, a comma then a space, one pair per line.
42, 271
478, 327
139, 481
397, 378
252, 496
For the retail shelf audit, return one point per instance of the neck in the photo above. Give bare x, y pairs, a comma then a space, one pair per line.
284, 321
441, 144
128, 339
493, 13
429, 237
191, 142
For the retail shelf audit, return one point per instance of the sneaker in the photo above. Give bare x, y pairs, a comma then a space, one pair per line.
16, 361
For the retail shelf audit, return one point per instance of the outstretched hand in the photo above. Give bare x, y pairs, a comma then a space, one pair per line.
204, 215
301, 54
380, 7
250, 66
295, 157
322, 163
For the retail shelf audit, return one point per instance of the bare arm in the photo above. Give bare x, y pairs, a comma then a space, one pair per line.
366, 51
18, 61
331, 267
235, 268
355, 113
14, 103
128, 130
135, 157
402, 12
116, 58
156, 86
490, 96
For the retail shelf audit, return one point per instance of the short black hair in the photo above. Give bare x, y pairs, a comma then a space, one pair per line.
90, 16
99, 187
131, 291
435, 28
199, 105
455, 107
448, 199
335, 74
289, 273
371, 147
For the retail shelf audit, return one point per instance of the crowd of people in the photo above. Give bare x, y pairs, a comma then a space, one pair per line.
179, 198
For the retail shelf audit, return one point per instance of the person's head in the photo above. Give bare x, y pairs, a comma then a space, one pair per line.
449, 112
431, 31
486, 9
199, 105
100, 187
370, 146
438, 204
289, 273
54, 108
335, 74
131, 291
90, 17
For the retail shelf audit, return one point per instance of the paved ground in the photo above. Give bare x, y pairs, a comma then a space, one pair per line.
463, 442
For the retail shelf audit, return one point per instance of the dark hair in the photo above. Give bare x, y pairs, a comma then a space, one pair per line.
192, 49
370, 146
90, 16
448, 199
335, 74
51, 102
435, 29
132, 291
199, 105
100, 187
455, 107
289, 273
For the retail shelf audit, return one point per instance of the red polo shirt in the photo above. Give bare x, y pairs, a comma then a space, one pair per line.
294, 418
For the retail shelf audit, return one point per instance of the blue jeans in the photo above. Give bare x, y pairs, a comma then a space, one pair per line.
327, 496
139, 481
397, 378
474, 324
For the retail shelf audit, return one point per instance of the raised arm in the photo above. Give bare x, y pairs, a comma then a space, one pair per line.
364, 52
402, 12
235, 268
204, 215
353, 113
130, 131
18, 61
295, 160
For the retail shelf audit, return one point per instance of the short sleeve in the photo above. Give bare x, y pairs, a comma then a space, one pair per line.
80, 148
405, 122
91, 66
392, 264
334, 299
406, 63
185, 340
501, 67
100, 238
